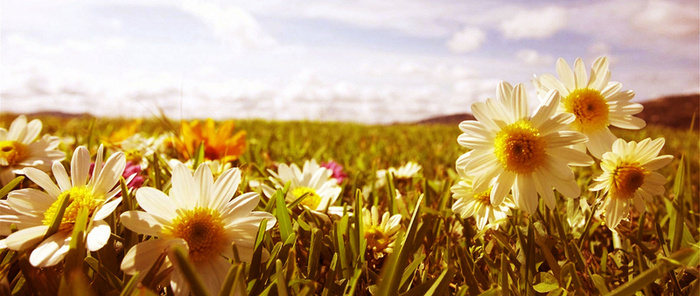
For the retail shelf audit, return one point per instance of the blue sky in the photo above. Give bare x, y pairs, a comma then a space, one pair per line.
362, 60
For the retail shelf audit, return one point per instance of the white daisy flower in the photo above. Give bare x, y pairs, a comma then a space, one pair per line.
628, 177
380, 231
34, 209
201, 215
469, 203
313, 179
511, 150
596, 102
20, 147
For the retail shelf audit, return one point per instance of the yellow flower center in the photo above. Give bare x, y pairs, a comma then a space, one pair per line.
484, 197
13, 152
78, 197
627, 178
590, 107
520, 148
203, 230
376, 238
312, 200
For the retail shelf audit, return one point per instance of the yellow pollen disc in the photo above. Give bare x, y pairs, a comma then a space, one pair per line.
520, 148
627, 178
78, 197
13, 152
590, 107
203, 230
484, 197
376, 238
312, 200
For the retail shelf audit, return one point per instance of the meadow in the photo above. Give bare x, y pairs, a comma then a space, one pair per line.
561, 251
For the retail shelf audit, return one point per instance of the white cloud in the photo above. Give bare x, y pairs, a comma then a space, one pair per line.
535, 24
531, 57
668, 19
466, 40
231, 24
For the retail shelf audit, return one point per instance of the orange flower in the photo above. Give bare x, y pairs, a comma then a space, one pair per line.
123, 133
221, 144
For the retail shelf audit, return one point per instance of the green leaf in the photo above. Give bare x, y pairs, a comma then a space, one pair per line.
194, 281
281, 282
56, 222
644, 279
284, 222
393, 270
545, 282
7, 188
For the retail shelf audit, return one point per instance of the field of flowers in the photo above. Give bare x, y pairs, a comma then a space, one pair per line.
510, 204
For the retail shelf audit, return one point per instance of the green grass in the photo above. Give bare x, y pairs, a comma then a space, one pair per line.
437, 252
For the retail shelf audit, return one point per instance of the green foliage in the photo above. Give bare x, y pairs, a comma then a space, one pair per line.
436, 252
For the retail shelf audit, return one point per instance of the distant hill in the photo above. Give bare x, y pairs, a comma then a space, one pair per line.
672, 111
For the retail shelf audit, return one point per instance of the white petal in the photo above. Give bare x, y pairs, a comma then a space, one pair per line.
25, 238
156, 202
242, 205
142, 256
568, 188
52, 250
566, 75
80, 166
143, 223
18, 128
627, 122
225, 187
107, 209
204, 179
525, 193
580, 74
550, 82
110, 173
98, 235
62, 179
571, 156
184, 189
43, 180
600, 142
501, 187
519, 103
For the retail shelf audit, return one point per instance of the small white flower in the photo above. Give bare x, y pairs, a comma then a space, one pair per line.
380, 231
512, 150
21, 148
201, 215
628, 177
478, 204
315, 181
596, 102
34, 210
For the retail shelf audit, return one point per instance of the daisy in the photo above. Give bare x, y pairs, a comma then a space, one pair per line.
20, 147
628, 177
511, 150
219, 144
313, 179
380, 231
405, 172
202, 216
596, 102
469, 203
34, 210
